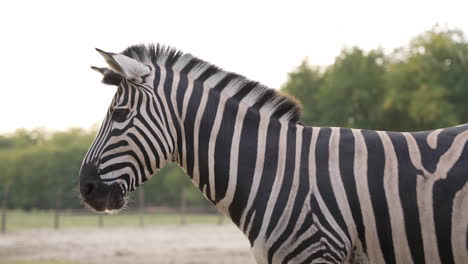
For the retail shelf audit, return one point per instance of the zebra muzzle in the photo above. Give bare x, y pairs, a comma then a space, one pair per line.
98, 195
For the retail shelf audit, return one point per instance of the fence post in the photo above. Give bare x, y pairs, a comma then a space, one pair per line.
100, 220
4, 208
141, 203
58, 201
183, 205
220, 218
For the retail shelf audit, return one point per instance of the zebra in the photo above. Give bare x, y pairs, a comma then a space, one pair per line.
300, 194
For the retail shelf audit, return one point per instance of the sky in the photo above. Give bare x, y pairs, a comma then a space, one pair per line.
47, 46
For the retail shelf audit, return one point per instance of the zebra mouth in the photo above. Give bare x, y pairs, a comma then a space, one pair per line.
111, 202
100, 197
115, 204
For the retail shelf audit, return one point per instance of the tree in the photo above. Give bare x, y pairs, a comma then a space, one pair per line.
353, 89
355, 83
421, 86
304, 83
41, 164
427, 82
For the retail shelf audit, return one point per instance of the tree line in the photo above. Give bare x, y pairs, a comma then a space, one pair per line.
38, 167
420, 86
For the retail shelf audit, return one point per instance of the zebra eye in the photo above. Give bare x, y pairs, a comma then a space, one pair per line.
120, 114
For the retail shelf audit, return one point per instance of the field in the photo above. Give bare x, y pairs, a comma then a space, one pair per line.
39, 262
31, 240
19, 220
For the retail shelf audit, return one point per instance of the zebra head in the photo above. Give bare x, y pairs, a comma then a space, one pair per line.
133, 141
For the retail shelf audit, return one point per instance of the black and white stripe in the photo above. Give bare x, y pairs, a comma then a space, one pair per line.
300, 194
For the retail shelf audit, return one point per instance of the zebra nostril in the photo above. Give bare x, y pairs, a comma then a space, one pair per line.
89, 187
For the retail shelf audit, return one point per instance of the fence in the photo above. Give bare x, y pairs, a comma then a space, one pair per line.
140, 214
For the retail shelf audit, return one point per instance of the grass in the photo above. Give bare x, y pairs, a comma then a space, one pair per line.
18, 220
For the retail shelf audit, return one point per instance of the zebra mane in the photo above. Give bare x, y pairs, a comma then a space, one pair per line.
253, 93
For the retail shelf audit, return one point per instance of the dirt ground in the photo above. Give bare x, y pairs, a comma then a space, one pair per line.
159, 245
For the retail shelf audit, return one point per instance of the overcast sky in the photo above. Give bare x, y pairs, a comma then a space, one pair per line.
48, 46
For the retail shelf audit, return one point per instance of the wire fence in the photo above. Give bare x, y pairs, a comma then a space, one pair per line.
140, 214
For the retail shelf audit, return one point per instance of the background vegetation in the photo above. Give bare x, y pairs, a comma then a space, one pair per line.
38, 168
422, 85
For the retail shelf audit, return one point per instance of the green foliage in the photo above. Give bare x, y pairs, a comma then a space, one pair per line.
418, 87
304, 83
165, 187
21, 138
39, 167
427, 82
352, 89
346, 93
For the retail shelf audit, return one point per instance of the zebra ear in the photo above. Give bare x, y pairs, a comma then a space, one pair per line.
128, 67
109, 76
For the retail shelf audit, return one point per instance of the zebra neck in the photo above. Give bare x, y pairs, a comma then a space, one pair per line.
231, 143
215, 132
229, 151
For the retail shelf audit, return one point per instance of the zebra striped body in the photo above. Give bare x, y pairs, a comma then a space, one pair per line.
300, 194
